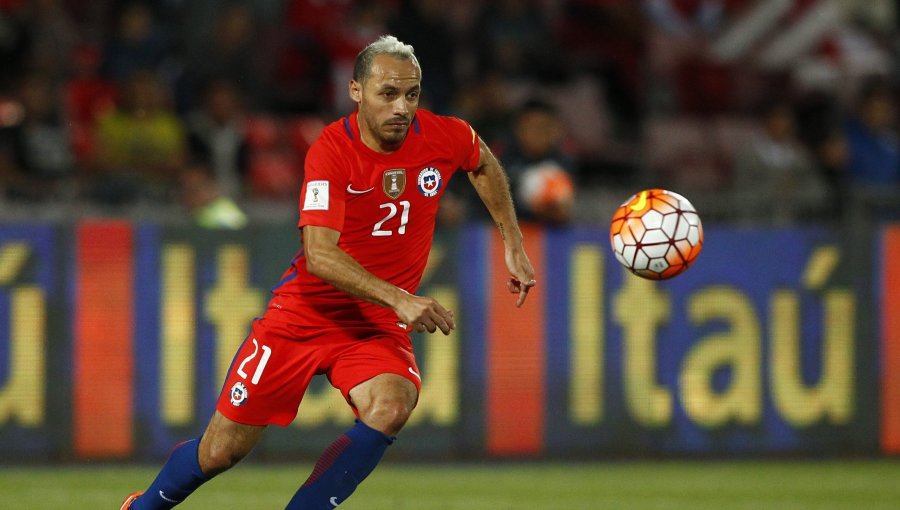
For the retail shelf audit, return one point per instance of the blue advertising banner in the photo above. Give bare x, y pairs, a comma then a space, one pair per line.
759, 348
752, 350
29, 371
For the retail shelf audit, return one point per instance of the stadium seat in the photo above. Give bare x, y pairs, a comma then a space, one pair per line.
704, 87
275, 175
302, 131
681, 155
263, 132
731, 132
85, 100
82, 142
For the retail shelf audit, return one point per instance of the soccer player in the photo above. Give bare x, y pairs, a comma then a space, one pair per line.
347, 304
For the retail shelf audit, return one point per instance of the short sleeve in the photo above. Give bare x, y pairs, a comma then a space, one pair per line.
322, 197
467, 140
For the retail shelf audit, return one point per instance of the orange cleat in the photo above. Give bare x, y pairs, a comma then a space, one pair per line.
129, 500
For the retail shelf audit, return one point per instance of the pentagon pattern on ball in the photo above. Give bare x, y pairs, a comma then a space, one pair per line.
656, 234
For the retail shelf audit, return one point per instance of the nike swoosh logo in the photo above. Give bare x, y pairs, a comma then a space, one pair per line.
641, 203
356, 191
333, 501
413, 372
167, 499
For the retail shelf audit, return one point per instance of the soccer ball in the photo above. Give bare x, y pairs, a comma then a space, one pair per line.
656, 234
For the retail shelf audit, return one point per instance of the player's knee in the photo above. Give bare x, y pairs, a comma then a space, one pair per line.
219, 458
388, 415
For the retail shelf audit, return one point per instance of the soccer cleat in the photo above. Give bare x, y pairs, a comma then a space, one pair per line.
129, 500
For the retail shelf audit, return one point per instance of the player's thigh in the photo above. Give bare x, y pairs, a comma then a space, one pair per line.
357, 369
270, 374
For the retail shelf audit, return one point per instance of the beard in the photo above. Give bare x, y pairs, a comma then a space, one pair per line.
392, 136
393, 132
389, 133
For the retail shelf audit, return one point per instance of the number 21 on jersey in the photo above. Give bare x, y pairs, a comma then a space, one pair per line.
385, 226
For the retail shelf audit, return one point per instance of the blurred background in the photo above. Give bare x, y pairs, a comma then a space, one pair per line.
151, 155
760, 111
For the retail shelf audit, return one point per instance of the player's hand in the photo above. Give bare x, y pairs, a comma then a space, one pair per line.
516, 286
522, 279
425, 314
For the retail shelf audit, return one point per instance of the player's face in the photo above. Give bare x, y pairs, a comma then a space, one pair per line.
388, 100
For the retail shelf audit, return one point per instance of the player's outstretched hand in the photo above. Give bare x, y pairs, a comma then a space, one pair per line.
517, 287
425, 314
522, 279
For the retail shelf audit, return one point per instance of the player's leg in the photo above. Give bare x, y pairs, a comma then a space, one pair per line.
194, 462
263, 386
225, 443
384, 403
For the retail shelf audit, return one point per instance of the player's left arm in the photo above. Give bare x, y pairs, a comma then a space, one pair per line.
492, 185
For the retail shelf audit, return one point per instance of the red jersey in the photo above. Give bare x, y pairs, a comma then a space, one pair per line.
384, 205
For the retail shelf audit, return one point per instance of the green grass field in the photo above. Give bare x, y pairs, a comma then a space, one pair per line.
693, 485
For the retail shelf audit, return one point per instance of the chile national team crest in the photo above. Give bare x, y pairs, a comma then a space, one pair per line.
429, 181
238, 394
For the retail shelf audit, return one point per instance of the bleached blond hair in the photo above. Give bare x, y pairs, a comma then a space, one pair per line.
384, 45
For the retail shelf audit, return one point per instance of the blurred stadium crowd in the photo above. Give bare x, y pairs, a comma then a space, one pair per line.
761, 111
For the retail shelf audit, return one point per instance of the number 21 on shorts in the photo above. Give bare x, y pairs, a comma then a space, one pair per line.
267, 352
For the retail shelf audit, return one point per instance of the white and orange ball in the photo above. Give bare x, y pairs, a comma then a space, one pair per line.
656, 234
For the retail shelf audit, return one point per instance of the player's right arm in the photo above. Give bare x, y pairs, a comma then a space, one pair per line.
327, 261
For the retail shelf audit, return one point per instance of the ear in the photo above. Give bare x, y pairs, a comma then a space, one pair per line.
355, 90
